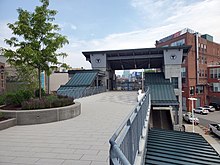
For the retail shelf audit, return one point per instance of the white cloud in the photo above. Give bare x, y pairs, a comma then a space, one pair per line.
155, 11
202, 16
67, 25
5, 33
73, 27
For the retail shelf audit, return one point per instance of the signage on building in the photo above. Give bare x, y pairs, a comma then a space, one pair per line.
177, 34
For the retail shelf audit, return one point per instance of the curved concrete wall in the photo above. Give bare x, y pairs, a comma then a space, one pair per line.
25, 117
7, 123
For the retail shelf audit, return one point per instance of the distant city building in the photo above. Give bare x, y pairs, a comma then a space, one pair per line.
136, 74
204, 52
126, 74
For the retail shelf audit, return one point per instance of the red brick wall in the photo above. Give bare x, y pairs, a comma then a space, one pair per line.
210, 55
212, 95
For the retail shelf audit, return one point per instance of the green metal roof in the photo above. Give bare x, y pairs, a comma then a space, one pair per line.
162, 94
161, 90
156, 78
82, 79
77, 84
174, 147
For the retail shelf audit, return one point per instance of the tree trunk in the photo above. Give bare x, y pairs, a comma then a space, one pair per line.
39, 79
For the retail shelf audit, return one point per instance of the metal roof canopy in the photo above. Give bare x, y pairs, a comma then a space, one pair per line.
136, 58
174, 147
162, 91
80, 80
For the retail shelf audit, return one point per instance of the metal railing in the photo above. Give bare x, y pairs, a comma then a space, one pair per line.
125, 143
93, 90
82, 91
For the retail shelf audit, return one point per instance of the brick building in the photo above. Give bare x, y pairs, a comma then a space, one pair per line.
204, 53
214, 83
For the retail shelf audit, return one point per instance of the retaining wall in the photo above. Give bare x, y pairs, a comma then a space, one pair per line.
39, 116
7, 123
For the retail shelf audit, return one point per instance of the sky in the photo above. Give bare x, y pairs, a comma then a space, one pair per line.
118, 24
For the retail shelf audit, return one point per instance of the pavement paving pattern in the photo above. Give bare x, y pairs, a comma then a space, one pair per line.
79, 141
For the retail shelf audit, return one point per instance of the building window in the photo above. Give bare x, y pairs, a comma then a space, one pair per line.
216, 87
215, 73
211, 73
191, 90
203, 74
218, 72
200, 89
183, 74
202, 60
174, 81
178, 43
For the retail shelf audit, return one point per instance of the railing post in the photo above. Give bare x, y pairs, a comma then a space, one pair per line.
130, 141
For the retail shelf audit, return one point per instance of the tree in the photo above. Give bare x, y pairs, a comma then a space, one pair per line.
37, 40
28, 76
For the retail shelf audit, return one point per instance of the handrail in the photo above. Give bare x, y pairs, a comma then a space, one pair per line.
85, 92
125, 142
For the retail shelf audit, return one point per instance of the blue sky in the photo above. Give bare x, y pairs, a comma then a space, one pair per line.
118, 24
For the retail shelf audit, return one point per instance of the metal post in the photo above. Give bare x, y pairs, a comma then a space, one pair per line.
192, 99
193, 117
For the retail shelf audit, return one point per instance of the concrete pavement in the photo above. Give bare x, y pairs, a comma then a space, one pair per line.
212, 117
79, 141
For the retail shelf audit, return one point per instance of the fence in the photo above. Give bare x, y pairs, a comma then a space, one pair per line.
78, 92
93, 90
88, 91
125, 143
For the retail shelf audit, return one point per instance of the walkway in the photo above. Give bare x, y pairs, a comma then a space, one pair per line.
79, 141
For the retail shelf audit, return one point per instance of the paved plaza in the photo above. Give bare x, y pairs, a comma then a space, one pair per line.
79, 141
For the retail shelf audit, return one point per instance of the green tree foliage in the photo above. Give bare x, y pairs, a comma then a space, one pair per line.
36, 41
28, 75
65, 66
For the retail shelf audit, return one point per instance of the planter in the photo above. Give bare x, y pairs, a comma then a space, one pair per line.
7, 123
39, 116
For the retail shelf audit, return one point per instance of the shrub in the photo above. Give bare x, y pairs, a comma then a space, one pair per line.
27, 94
37, 93
10, 99
47, 102
2, 99
1, 115
18, 97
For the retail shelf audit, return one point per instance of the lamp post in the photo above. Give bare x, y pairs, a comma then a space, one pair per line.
192, 99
